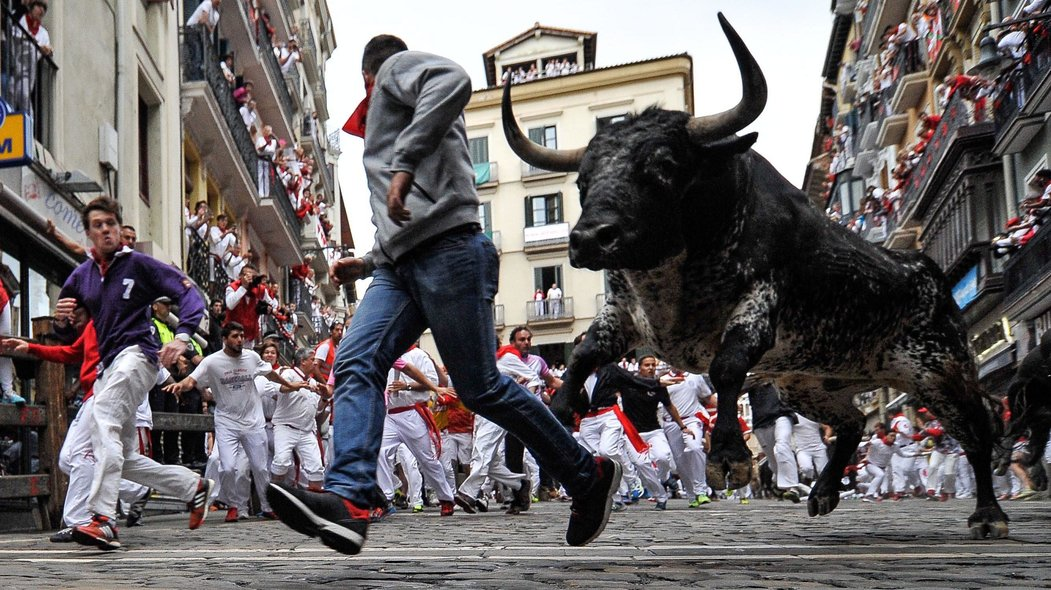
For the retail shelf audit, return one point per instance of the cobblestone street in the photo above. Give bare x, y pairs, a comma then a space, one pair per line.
767, 544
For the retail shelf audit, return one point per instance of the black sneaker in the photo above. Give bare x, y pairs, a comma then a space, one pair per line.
466, 502
590, 512
134, 517
63, 536
340, 524
522, 499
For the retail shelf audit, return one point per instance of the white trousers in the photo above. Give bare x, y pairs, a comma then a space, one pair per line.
908, 472
304, 444
878, 475
941, 472
456, 446
812, 460
689, 455
776, 441
965, 484
604, 435
234, 445
487, 459
410, 429
645, 466
7, 366
124, 385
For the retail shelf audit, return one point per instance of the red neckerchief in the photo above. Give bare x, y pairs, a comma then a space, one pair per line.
102, 263
355, 125
508, 349
32, 25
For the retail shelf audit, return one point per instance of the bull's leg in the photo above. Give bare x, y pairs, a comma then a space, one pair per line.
967, 415
824, 496
748, 335
608, 337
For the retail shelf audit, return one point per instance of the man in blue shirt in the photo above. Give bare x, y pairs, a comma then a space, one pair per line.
117, 285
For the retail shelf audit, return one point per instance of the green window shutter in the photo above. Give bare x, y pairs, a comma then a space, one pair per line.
529, 212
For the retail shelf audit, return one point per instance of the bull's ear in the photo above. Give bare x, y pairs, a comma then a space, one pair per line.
731, 145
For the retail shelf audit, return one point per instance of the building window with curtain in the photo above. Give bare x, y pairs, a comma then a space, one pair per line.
543, 210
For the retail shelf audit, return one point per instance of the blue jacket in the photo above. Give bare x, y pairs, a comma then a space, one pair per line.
119, 301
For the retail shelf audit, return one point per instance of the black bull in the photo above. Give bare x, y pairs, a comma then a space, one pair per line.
722, 266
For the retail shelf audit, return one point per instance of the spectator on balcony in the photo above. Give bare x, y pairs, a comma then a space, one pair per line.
288, 56
554, 300
929, 30
243, 93
266, 147
233, 261
249, 114
1034, 7
226, 66
538, 302
30, 42
532, 73
206, 14
221, 236
551, 68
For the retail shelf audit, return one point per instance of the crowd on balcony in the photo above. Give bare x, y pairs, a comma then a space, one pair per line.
552, 67
1033, 212
27, 41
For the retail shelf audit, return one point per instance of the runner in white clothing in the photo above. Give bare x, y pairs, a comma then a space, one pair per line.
410, 422
239, 424
687, 391
295, 424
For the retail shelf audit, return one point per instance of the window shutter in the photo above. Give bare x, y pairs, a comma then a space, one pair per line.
529, 211
536, 135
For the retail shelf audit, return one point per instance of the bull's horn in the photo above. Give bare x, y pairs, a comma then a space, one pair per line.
753, 95
533, 154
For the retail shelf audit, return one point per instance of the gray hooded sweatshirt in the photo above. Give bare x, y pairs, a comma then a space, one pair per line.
415, 124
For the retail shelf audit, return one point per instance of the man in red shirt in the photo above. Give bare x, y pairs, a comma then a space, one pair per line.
243, 299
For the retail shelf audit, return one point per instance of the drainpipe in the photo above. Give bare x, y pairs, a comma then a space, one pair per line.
1010, 189
120, 21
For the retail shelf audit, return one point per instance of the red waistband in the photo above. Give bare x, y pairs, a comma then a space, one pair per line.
599, 412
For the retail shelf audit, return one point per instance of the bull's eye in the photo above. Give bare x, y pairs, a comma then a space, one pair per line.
582, 188
661, 166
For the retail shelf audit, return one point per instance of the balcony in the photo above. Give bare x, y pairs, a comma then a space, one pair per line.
549, 311
28, 80
498, 316
214, 123
546, 238
309, 49
879, 15
532, 173
254, 57
275, 218
909, 78
961, 125
486, 175
1022, 99
321, 100
1027, 271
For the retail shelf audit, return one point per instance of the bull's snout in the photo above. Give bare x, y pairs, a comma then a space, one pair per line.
593, 245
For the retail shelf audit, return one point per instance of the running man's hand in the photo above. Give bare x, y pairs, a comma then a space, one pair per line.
347, 270
399, 188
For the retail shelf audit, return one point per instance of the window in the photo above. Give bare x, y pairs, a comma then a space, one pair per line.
545, 136
479, 148
603, 122
543, 210
144, 151
485, 216
850, 195
545, 276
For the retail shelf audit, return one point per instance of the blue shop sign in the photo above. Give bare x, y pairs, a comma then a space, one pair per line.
966, 290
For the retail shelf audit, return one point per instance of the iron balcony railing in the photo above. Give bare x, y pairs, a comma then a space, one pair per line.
960, 112
269, 60
200, 63
272, 187
28, 77
546, 310
1016, 87
1028, 266
205, 269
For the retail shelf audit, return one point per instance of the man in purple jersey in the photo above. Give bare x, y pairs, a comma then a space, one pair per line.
117, 285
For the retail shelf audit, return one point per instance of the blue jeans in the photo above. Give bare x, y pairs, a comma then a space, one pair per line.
448, 286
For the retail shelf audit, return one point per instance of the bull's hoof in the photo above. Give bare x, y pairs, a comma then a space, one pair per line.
729, 463
823, 498
989, 522
716, 476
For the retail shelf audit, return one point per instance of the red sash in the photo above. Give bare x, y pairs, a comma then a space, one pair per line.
428, 418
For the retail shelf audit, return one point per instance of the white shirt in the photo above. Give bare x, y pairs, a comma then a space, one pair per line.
687, 396
268, 391
554, 293
232, 380
422, 361
298, 408
807, 434
41, 37
204, 14
220, 243
514, 367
